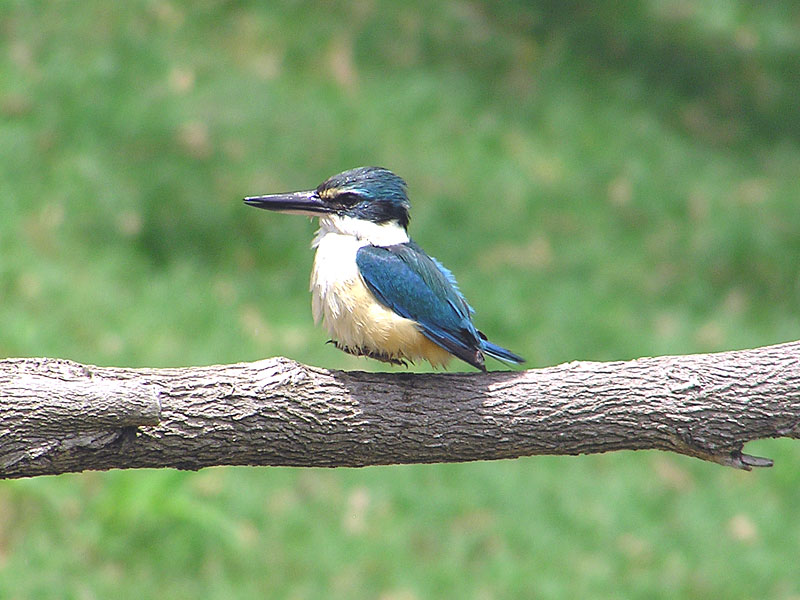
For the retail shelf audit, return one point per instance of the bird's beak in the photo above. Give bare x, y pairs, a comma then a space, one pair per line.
296, 203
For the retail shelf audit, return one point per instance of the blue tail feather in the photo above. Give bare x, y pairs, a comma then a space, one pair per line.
500, 353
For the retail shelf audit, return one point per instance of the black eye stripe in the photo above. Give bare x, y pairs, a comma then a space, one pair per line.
348, 198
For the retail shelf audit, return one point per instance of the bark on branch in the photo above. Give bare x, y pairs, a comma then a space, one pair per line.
58, 416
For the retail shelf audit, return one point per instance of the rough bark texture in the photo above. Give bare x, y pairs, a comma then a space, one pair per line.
58, 416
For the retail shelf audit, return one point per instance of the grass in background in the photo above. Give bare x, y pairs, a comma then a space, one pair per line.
605, 183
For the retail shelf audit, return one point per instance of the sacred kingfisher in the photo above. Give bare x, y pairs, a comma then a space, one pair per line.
375, 290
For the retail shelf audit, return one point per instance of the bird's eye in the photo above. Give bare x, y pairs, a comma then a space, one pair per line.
348, 198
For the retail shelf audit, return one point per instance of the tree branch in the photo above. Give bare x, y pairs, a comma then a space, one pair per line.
58, 416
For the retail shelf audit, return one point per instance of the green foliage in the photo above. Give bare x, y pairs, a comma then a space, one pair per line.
606, 181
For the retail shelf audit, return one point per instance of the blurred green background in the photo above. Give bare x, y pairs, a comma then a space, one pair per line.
607, 180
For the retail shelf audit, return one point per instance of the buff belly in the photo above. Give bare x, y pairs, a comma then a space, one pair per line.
351, 314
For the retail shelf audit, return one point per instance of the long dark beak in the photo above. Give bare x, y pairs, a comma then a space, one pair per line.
296, 203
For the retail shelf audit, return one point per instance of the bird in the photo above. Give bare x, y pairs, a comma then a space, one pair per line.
373, 288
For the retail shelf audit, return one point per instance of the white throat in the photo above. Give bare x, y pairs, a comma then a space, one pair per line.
365, 232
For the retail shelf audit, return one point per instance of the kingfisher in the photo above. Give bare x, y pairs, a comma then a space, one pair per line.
374, 289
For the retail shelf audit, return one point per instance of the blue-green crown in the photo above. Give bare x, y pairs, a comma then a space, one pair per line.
372, 193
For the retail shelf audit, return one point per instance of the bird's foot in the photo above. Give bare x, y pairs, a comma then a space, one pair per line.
381, 356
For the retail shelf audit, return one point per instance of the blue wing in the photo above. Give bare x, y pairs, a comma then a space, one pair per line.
415, 286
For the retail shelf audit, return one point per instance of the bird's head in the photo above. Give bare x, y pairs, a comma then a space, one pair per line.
371, 194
